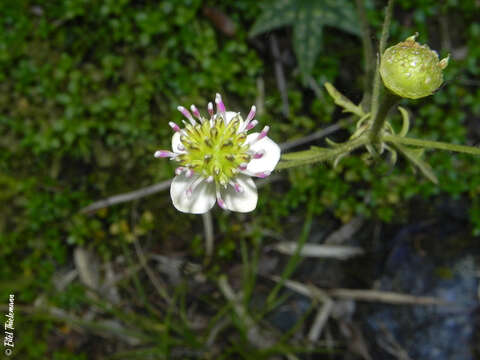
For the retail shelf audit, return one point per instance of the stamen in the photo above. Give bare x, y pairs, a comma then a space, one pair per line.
227, 143
220, 106
208, 142
193, 185
195, 112
164, 154
242, 137
220, 201
179, 170
193, 147
184, 139
259, 154
180, 147
238, 188
242, 166
189, 173
250, 116
263, 133
246, 158
187, 114
210, 108
252, 113
174, 126
251, 125
262, 174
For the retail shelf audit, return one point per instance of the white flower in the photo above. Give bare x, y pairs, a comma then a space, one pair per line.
217, 159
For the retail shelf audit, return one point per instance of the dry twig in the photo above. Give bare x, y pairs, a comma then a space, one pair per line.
340, 252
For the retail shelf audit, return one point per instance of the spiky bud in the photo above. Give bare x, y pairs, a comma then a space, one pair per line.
411, 70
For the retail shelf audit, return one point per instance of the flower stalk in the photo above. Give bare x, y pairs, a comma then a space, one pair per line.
323, 154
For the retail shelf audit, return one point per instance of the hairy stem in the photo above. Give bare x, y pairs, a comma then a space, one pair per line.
381, 49
432, 144
368, 54
386, 104
327, 154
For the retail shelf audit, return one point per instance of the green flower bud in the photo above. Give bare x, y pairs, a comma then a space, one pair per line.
411, 70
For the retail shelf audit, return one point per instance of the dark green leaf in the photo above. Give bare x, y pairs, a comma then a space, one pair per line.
278, 14
308, 17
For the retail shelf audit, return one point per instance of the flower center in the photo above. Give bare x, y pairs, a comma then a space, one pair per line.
214, 149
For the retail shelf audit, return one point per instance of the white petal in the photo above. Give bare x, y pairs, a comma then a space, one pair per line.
175, 142
244, 201
202, 199
270, 158
230, 115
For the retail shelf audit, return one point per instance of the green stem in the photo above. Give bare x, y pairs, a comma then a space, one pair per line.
368, 54
327, 154
381, 49
432, 144
386, 26
388, 101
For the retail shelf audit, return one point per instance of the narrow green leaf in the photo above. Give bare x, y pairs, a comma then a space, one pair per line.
414, 155
338, 159
308, 17
429, 144
393, 154
405, 121
343, 101
332, 143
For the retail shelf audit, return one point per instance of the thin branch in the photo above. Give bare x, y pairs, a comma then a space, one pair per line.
130, 196
320, 320
260, 100
314, 136
340, 252
388, 297
279, 75
385, 297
